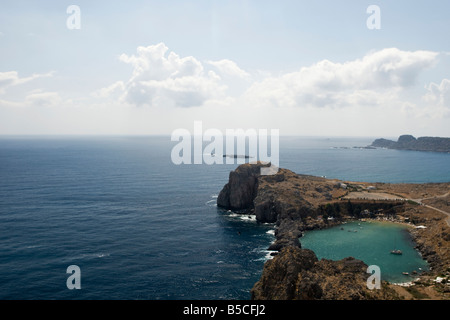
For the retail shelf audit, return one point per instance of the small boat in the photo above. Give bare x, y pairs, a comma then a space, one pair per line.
405, 273
397, 252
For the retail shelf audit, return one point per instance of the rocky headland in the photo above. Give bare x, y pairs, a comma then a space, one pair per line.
297, 274
408, 142
296, 203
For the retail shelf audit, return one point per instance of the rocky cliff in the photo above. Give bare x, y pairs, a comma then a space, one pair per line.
241, 189
296, 203
408, 142
297, 274
286, 198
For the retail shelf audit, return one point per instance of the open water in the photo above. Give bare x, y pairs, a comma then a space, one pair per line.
140, 227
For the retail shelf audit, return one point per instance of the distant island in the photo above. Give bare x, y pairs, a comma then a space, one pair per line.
408, 142
236, 156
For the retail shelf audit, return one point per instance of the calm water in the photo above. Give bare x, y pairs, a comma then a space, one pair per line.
140, 227
370, 242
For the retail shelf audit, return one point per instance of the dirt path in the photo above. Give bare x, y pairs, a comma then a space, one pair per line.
436, 209
441, 211
388, 196
441, 196
361, 195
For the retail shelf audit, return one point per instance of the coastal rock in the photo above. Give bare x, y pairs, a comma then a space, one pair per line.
297, 274
241, 189
265, 211
292, 201
284, 198
279, 278
296, 203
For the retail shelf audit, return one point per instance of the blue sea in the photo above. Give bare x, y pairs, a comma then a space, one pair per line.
140, 227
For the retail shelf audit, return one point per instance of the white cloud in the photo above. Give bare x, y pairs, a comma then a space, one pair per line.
35, 98
439, 93
437, 98
11, 78
10, 104
229, 68
366, 81
112, 91
163, 79
43, 99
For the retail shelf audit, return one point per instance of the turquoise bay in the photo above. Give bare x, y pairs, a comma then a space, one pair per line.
371, 242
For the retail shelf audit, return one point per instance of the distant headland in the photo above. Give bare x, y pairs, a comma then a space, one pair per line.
408, 142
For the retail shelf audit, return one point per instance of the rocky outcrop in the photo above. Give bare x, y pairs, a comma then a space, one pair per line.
297, 274
241, 189
408, 142
286, 198
294, 202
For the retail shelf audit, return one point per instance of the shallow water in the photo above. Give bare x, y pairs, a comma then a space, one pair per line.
371, 242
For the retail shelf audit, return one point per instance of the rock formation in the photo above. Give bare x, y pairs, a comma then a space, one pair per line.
292, 201
240, 191
408, 142
297, 274
296, 203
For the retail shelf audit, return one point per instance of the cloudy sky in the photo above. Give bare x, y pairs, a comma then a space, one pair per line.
310, 68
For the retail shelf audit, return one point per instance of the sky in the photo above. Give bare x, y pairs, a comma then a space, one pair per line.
307, 68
